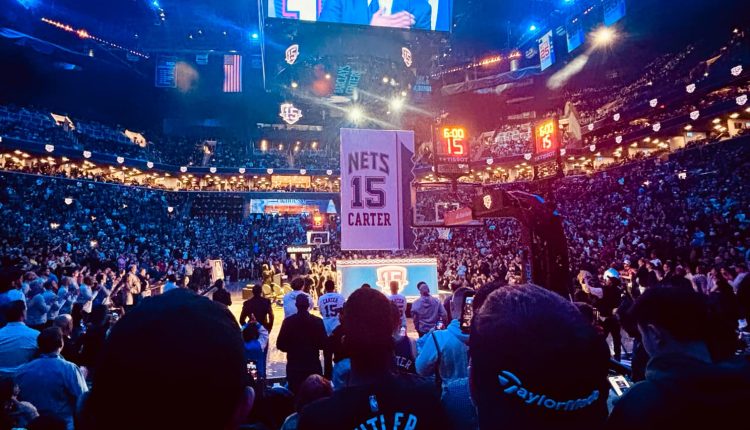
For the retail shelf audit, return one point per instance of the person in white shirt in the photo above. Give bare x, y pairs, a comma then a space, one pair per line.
330, 304
85, 294
290, 298
399, 300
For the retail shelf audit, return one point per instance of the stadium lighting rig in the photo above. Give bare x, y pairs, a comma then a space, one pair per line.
84, 34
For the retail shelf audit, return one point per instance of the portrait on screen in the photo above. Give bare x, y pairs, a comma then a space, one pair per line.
435, 15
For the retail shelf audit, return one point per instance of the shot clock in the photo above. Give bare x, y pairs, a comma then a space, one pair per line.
452, 151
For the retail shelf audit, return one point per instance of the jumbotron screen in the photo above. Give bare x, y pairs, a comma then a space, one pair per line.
429, 15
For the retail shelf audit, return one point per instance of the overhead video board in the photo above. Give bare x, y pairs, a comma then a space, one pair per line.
429, 15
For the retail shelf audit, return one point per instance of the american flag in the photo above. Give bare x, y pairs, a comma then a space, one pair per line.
233, 73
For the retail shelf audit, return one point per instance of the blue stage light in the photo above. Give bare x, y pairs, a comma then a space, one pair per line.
532, 27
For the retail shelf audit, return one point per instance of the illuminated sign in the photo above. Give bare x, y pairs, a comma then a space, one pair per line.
452, 146
289, 113
546, 136
299, 250
292, 53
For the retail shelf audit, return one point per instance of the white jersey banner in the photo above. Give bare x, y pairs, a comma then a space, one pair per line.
376, 175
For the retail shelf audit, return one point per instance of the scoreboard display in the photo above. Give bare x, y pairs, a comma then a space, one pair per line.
452, 151
546, 136
547, 144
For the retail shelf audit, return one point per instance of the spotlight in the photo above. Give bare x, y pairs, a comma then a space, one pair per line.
355, 114
386, 79
397, 103
532, 27
295, 84
328, 76
604, 36
254, 36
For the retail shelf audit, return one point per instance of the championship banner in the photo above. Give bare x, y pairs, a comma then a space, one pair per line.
408, 272
376, 175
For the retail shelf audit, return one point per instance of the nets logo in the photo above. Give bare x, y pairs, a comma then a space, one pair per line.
290, 114
487, 201
406, 56
387, 274
292, 53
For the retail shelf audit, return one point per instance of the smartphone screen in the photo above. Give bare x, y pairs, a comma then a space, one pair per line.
619, 384
467, 312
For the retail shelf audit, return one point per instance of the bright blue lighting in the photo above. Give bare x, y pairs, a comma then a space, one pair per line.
28, 4
155, 3
254, 36
532, 27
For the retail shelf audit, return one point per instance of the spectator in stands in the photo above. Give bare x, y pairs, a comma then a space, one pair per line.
290, 299
70, 349
404, 347
255, 337
315, 387
170, 285
38, 307
132, 288
221, 294
168, 344
302, 337
14, 413
17, 341
683, 387
536, 362
90, 343
399, 300
330, 305
374, 395
427, 312
51, 383
10, 290
606, 299
85, 294
444, 353
257, 307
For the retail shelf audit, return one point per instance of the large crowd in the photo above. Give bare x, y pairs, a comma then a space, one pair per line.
659, 251
37, 125
116, 288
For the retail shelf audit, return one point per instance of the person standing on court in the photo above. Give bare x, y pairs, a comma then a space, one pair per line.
330, 305
302, 336
427, 311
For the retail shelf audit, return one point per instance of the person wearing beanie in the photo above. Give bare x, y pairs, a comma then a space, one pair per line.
536, 363
375, 397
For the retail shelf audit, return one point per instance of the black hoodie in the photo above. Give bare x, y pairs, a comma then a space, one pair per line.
685, 393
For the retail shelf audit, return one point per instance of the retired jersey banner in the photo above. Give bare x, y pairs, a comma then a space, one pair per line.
376, 175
